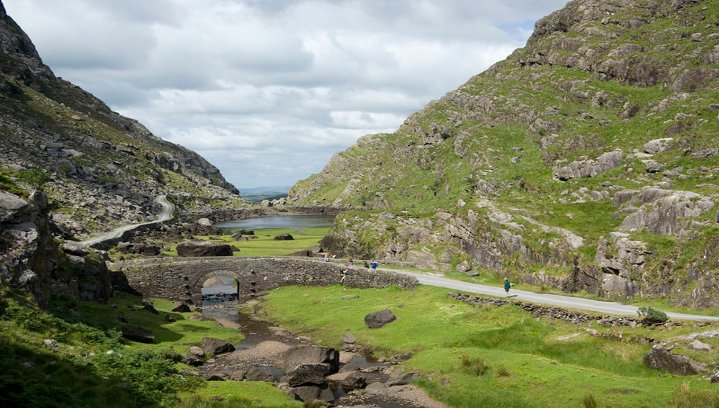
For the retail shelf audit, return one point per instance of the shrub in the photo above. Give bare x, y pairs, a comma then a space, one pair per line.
684, 397
34, 177
650, 315
502, 371
590, 402
474, 365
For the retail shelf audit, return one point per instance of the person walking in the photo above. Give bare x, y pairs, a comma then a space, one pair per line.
374, 264
507, 285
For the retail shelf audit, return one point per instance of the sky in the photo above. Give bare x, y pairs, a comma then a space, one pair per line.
269, 90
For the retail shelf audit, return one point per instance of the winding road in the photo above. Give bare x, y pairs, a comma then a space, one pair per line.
167, 212
567, 302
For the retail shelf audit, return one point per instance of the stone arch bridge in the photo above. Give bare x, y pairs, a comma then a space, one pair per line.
181, 279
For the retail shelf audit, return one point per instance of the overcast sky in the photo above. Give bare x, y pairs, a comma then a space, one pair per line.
269, 90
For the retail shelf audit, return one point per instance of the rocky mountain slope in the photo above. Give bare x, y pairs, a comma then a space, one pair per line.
99, 168
586, 160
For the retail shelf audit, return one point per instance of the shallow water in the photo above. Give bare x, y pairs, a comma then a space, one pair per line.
279, 221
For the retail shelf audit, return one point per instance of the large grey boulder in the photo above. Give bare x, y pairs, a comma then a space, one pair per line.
312, 355
10, 204
657, 145
662, 359
307, 374
213, 347
203, 248
378, 319
138, 334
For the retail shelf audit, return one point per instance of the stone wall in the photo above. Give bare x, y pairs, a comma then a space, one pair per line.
181, 279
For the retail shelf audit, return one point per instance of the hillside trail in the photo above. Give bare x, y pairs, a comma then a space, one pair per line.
568, 302
167, 213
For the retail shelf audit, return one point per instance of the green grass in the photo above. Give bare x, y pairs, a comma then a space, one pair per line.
242, 394
527, 362
265, 245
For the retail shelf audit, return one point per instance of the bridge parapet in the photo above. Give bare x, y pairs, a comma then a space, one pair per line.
181, 279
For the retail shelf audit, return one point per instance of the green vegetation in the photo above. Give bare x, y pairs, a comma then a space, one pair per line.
264, 244
486, 356
93, 366
651, 315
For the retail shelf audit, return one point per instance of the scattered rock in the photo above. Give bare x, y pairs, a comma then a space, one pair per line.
197, 351
589, 168
699, 346
203, 248
182, 308
138, 334
704, 154
283, 237
378, 319
51, 344
312, 355
204, 222
213, 347
307, 374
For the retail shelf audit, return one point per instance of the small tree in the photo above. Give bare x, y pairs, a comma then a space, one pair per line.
650, 315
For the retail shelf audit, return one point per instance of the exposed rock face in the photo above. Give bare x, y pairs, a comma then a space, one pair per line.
661, 359
589, 168
31, 259
203, 248
101, 169
669, 214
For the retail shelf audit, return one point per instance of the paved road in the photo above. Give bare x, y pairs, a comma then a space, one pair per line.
167, 212
568, 302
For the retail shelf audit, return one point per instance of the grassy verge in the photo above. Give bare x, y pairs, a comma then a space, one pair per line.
264, 243
528, 362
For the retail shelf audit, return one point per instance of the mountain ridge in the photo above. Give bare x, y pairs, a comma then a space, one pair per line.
99, 168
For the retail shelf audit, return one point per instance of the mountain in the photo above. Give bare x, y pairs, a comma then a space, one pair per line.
100, 169
586, 160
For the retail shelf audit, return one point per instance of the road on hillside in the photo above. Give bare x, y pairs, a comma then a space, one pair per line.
167, 212
567, 302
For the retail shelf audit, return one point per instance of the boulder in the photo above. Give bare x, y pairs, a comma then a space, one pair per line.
74, 248
197, 351
182, 308
700, 346
263, 373
138, 334
464, 267
204, 222
283, 237
669, 214
307, 374
378, 319
147, 305
589, 167
10, 204
213, 347
203, 248
312, 355
653, 166
306, 393
704, 154
657, 145
348, 380
663, 360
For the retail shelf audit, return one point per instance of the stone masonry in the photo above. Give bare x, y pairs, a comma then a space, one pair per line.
181, 279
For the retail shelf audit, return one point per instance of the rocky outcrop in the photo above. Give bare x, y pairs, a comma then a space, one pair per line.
32, 260
589, 167
662, 359
668, 215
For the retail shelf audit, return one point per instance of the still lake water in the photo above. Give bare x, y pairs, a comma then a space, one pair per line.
297, 222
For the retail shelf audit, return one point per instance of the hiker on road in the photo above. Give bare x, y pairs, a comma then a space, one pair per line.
507, 285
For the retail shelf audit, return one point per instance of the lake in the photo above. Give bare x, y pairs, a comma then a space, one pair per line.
297, 222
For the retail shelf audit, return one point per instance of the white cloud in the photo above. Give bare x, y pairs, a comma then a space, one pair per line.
268, 90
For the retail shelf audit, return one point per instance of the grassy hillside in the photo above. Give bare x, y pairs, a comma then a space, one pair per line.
561, 138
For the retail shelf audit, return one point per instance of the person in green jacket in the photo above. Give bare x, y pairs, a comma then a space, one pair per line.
507, 285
